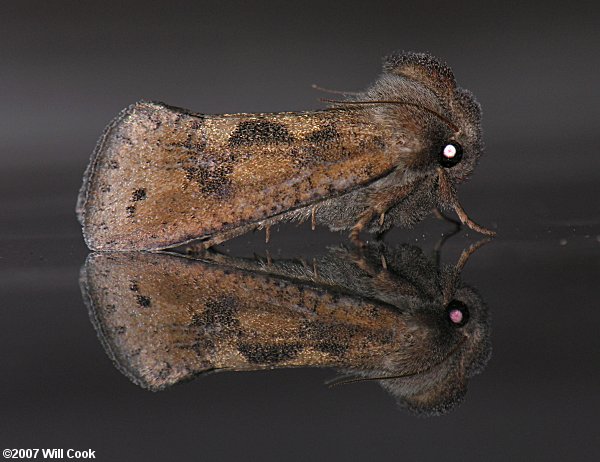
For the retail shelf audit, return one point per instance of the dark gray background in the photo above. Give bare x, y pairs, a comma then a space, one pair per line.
68, 67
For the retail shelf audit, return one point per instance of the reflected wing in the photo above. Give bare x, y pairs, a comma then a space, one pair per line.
161, 176
163, 319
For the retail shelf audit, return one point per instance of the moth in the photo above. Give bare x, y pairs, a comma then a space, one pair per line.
383, 313
162, 176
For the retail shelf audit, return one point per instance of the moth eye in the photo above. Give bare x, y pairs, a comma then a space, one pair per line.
458, 313
451, 154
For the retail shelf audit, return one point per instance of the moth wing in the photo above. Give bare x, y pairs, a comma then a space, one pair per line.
137, 303
161, 176
163, 319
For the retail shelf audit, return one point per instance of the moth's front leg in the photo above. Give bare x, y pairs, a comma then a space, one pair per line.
379, 203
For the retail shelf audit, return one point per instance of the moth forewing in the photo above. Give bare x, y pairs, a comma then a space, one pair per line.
161, 176
164, 319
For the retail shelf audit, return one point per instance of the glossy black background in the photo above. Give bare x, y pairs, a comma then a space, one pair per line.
68, 67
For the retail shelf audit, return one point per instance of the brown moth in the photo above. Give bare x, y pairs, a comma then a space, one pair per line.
162, 176
384, 314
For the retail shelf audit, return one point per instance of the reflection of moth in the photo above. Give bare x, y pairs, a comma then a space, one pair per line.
161, 176
164, 318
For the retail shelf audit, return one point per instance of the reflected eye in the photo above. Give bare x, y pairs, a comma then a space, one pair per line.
451, 154
458, 313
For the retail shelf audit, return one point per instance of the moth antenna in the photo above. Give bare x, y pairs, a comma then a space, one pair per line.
343, 381
403, 103
335, 92
437, 248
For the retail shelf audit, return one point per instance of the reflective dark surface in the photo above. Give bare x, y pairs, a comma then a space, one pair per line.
378, 313
68, 69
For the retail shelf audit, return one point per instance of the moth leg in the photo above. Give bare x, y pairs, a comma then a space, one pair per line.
449, 197
369, 265
267, 233
364, 219
380, 235
360, 261
437, 249
382, 278
437, 212
269, 259
195, 249
460, 264
381, 201
466, 254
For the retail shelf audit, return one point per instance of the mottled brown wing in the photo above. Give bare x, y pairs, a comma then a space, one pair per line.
161, 176
163, 319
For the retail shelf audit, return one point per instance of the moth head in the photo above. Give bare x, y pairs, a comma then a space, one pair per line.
450, 344
437, 127
458, 329
442, 120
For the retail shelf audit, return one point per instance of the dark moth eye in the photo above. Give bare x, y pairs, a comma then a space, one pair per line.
458, 313
450, 154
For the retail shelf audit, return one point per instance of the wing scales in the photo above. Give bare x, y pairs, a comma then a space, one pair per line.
162, 175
